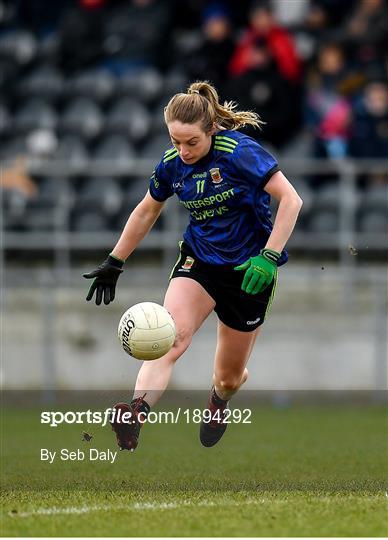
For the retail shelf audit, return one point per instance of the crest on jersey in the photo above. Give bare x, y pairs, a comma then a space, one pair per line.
216, 175
188, 263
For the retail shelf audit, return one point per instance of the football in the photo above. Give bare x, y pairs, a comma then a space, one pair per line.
146, 331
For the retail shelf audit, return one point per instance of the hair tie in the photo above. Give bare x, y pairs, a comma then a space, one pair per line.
194, 92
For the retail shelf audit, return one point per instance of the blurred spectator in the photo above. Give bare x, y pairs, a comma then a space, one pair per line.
327, 103
262, 25
366, 31
81, 34
263, 89
328, 14
15, 177
136, 35
210, 60
321, 23
369, 138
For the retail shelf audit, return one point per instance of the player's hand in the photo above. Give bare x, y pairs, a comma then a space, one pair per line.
105, 279
259, 271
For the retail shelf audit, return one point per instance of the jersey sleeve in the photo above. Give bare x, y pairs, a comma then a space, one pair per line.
160, 184
254, 163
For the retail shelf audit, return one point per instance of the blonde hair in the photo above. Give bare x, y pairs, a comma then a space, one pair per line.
201, 103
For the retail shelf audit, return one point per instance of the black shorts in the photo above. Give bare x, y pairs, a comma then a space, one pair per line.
234, 307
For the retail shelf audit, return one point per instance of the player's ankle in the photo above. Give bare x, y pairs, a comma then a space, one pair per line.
218, 400
141, 408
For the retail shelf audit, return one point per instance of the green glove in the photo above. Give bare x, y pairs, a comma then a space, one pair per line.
260, 271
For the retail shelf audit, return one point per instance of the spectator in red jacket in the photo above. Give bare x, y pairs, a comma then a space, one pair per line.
279, 42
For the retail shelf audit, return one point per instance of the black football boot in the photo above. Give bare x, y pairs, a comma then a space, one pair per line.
211, 432
127, 432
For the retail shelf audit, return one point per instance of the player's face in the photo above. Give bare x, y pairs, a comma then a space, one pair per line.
190, 140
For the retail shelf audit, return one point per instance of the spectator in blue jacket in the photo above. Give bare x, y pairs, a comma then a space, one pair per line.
369, 133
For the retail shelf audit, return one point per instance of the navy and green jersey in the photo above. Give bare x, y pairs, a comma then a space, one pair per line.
230, 218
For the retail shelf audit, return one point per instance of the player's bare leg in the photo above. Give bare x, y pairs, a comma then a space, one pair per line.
189, 305
232, 354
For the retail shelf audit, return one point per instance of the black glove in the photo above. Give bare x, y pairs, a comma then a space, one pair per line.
106, 276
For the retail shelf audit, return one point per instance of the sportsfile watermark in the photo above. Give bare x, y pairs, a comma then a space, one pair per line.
180, 415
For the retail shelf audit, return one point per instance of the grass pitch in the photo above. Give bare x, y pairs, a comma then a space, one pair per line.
297, 471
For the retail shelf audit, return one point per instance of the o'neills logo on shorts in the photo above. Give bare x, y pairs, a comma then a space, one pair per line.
216, 175
254, 322
188, 263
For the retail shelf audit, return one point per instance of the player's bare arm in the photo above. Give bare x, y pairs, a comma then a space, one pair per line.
139, 223
289, 206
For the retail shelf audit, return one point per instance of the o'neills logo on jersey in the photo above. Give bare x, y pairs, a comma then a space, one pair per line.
188, 263
216, 175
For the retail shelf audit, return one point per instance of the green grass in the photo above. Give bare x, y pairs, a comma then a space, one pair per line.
299, 471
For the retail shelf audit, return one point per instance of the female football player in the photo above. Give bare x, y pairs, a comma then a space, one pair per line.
230, 253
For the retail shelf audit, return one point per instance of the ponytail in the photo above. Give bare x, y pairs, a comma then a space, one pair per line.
201, 103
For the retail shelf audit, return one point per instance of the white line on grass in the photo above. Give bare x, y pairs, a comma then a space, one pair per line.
55, 511
69, 510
